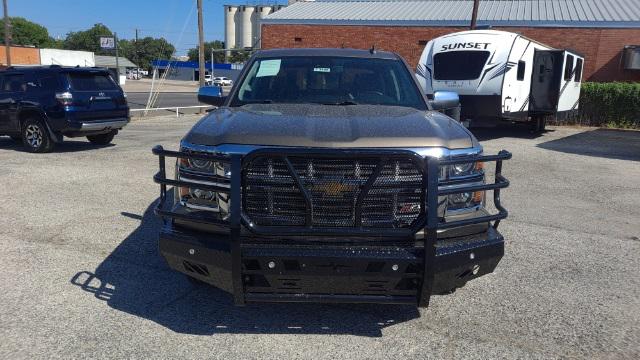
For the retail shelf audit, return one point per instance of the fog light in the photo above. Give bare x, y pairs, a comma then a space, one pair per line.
271, 265
460, 199
203, 194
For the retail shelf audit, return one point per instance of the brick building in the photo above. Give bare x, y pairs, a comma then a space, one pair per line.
598, 29
20, 55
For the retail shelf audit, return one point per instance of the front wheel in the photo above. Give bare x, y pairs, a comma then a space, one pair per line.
35, 136
102, 139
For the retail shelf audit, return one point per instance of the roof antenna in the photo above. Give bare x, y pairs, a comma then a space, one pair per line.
373, 49
342, 46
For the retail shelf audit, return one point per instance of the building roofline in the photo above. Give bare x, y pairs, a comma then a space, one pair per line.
458, 23
342, 52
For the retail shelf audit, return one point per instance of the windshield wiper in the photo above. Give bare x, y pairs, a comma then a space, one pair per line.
346, 102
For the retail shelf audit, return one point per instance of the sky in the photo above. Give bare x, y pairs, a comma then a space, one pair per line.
175, 20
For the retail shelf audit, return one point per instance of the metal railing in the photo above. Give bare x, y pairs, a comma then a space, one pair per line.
177, 108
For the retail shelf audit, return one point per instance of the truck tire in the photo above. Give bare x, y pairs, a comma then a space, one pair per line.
102, 139
35, 136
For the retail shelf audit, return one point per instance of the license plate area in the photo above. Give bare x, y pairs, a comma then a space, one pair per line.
321, 275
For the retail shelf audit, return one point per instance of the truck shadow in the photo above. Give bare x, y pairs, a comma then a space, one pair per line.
606, 143
135, 279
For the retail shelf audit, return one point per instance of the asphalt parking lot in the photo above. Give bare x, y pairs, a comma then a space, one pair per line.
80, 274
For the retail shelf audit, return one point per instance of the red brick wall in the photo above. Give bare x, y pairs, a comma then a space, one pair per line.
20, 56
602, 48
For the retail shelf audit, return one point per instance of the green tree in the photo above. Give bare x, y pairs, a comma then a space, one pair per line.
28, 33
218, 55
55, 43
148, 49
239, 56
88, 40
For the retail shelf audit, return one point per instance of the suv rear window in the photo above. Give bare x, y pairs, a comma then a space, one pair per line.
459, 65
91, 81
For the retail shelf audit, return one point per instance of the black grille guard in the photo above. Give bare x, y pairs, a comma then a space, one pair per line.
427, 221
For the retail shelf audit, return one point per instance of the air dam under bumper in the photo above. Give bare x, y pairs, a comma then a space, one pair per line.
330, 273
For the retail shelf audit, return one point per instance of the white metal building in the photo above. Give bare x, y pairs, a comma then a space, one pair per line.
67, 57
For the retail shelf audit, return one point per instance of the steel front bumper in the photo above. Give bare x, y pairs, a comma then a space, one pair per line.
331, 273
269, 266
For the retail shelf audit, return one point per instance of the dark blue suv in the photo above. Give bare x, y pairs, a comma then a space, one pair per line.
40, 105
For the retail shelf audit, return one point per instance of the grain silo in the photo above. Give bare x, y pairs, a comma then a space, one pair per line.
230, 26
260, 12
242, 24
246, 13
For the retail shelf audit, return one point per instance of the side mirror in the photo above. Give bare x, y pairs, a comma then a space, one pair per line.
211, 95
443, 100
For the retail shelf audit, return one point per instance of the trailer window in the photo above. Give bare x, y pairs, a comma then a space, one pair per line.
521, 67
578, 70
568, 67
459, 65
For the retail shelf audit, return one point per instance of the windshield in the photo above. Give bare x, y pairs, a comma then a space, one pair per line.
330, 81
459, 65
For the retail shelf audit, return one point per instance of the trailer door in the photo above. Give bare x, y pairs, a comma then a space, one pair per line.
545, 81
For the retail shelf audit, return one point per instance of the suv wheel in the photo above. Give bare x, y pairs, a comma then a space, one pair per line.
102, 139
35, 136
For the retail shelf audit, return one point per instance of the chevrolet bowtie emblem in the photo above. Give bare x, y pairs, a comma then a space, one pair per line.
333, 188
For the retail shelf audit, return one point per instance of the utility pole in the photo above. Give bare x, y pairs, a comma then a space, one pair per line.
137, 60
200, 48
7, 33
115, 40
474, 14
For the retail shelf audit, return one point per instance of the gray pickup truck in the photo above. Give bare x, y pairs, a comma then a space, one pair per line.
327, 176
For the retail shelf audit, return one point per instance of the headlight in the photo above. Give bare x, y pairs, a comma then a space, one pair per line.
470, 173
466, 169
200, 165
205, 172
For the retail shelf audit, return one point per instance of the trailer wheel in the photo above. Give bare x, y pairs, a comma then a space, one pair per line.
538, 124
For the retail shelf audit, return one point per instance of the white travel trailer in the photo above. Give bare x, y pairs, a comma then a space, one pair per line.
502, 75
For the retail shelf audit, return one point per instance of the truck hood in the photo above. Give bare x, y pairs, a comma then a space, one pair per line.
311, 125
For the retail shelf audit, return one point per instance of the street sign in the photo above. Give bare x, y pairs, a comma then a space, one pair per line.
107, 43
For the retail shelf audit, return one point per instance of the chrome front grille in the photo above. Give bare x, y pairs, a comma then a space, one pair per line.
340, 192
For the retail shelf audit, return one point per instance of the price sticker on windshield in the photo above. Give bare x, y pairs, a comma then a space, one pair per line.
269, 68
322, 69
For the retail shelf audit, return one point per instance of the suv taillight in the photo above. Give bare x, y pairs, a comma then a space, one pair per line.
65, 98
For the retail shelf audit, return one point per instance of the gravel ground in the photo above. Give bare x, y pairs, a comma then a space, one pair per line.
81, 277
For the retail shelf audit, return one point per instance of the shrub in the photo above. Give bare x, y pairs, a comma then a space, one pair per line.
613, 104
